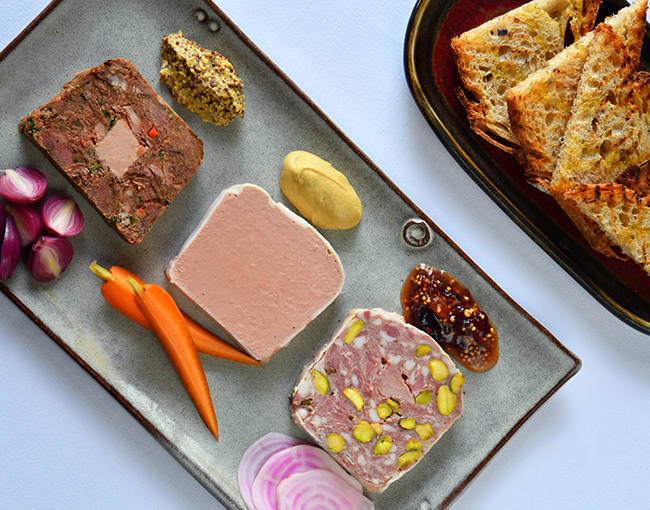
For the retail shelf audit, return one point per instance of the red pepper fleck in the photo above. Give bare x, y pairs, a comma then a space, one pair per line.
153, 132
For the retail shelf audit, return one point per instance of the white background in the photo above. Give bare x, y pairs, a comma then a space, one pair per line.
66, 443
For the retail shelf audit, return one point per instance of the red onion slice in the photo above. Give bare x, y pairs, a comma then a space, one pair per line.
319, 489
255, 457
27, 221
62, 217
10, 251
49, 257
289, 461
22, 185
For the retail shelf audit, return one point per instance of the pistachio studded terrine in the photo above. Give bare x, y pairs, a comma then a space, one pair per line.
119, 143
377, 396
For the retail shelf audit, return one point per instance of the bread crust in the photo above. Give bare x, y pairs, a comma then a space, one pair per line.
573, 187
621, 211
500, 53
540, 106
607, 130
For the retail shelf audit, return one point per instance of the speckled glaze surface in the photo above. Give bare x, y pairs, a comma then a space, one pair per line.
250, 401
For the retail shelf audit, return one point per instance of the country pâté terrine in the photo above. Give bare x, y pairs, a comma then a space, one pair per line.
119, 143
377, 396
258, 269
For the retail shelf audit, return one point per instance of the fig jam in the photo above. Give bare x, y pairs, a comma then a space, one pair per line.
438, 304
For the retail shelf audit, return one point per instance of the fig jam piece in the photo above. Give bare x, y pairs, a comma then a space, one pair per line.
437, 303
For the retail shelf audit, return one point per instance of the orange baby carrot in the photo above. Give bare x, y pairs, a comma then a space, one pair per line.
170, 327
207, 343
120, 295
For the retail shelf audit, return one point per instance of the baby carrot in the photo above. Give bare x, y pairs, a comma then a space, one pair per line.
120, 295
170, 327
211, 345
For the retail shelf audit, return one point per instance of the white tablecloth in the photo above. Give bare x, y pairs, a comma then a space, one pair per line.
66, 443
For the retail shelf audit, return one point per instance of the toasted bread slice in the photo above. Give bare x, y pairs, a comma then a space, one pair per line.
608, 131
608, 128
621, 213
540, 106
500, 53
637, 178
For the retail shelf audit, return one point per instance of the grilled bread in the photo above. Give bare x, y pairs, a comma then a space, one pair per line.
500, 53
621, 210
608, 130
540, 106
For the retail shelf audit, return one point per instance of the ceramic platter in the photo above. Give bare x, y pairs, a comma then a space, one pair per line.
623, 288
73, 35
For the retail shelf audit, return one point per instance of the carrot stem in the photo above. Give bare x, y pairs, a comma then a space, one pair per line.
104, 274
172, 331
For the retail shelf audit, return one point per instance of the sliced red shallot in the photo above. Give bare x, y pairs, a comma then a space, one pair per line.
49, 257
289, 461
62, 217
22, 185
319, 489
255, 457
27, 221
10, 250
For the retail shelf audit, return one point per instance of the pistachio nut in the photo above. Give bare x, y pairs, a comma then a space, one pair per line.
457, 382
383, 445
407, 423
362, 432
384, 411
439, 370
354, 330
377, 428
424, 430
446, 400
413, 444
354, 396
335, 442
424, 397
394, 405
422, 349
321, 382
408, 458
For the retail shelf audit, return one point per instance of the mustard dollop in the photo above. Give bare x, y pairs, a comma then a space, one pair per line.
322, 194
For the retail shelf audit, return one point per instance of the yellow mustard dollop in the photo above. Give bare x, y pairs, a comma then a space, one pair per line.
321, 193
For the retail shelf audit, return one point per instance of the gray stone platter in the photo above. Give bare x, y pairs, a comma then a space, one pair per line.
73, 35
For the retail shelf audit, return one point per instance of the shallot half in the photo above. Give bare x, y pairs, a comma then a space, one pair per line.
27, 221
22, 185
10, 250
62, 217
49, 257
